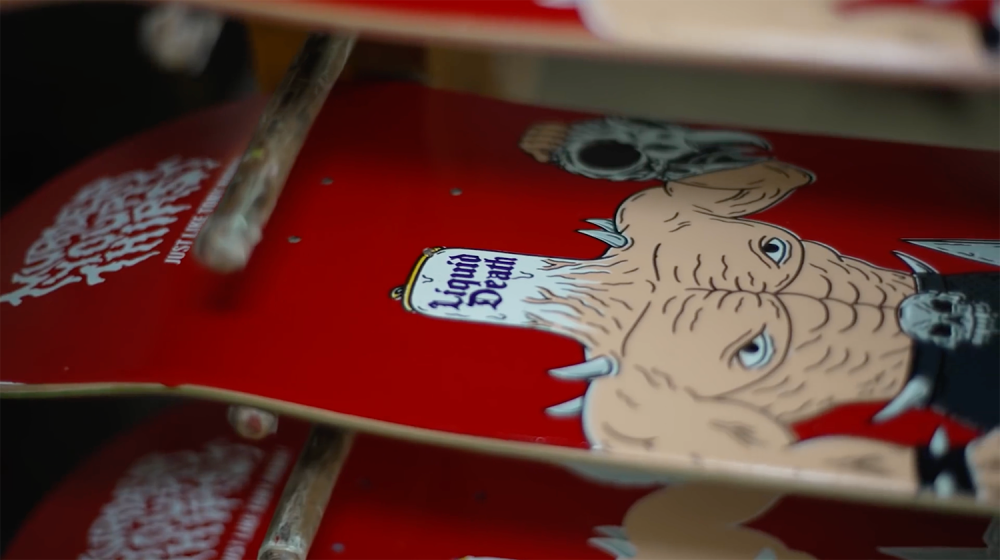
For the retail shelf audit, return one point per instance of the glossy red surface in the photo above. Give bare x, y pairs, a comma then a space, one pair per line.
312, 322
396, 500
440, 504
176, 486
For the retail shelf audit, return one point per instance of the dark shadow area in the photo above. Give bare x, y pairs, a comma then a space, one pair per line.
43, 440
74, 81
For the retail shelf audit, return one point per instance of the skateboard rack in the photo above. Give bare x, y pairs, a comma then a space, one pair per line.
225, 245
306, 495
307, 491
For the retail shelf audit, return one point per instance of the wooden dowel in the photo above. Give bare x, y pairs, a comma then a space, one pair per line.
230, 234
306, 495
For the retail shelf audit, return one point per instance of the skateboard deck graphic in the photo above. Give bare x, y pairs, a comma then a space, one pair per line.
950, 42
906, 35
815, 313
182, 486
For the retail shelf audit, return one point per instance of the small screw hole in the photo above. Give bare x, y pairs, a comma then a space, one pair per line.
456, 192
338, 547
326, 181
480, 496
294, 239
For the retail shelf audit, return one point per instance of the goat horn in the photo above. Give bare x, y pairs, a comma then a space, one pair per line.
614, 239
913, 395
619, 548
569, 408
596, 367
604, 223
916, 265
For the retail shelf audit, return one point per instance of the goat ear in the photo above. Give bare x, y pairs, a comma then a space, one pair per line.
541, 140
741, 191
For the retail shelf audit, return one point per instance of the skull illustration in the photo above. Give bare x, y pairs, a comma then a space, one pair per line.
946, 319
621, 149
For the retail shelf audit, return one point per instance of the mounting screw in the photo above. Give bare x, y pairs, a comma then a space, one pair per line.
338, 547
294, 239
252, 423
456, 192
326, 181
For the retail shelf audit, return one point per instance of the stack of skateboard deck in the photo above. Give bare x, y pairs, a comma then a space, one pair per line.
515, 331
184, 486
951, 43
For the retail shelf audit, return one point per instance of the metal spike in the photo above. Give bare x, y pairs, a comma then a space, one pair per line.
614, 239
604, 223
939, 442
916, 265
613, 531
913, 395
569, 408
615, 547
944, 485
986, 251
596, 367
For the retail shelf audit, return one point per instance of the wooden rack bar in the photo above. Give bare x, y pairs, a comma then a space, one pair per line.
306, 495
234, 229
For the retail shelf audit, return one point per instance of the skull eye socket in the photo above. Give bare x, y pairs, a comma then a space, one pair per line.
609, 154
941, 330
941, 306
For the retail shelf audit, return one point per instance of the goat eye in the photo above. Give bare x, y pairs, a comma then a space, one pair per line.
757, 353
776, 249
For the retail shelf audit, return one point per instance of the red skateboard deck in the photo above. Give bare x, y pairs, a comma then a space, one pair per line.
183, 486
816, 313
950, 43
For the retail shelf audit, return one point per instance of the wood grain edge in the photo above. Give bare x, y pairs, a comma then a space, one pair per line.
574, 40
854, 489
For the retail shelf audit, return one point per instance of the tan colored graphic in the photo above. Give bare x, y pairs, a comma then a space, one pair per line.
725, 330
696, 521
707, 334
816, 30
